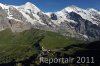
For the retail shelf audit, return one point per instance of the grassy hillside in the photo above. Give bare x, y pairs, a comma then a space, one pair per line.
21, 46
54, 41
18, 46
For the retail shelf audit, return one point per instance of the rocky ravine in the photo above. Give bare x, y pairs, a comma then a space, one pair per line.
70, 21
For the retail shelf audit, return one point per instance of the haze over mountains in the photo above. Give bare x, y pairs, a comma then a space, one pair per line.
71, 21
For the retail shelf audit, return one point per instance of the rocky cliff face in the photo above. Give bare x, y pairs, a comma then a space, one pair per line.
71, 21
11, 18
76, 22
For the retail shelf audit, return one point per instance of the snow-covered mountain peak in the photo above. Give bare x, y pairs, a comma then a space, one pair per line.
31, 7
70, 21
92, 9
28, 3
4, 6
72, 9
28, 8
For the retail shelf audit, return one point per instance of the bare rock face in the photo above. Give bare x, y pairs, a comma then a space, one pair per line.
13, 19
3, 20
16, 14
79, 23
71, 21
18, 26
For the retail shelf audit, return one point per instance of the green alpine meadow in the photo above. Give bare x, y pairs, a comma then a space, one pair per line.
49, 33
20, 46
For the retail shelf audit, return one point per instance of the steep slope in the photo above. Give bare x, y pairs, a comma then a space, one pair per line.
77, 22
71, 21
25, 17
53, 41
35, 16
10, 17
18, 41
20, 46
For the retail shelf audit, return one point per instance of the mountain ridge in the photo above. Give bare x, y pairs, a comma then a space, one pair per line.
71, 21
